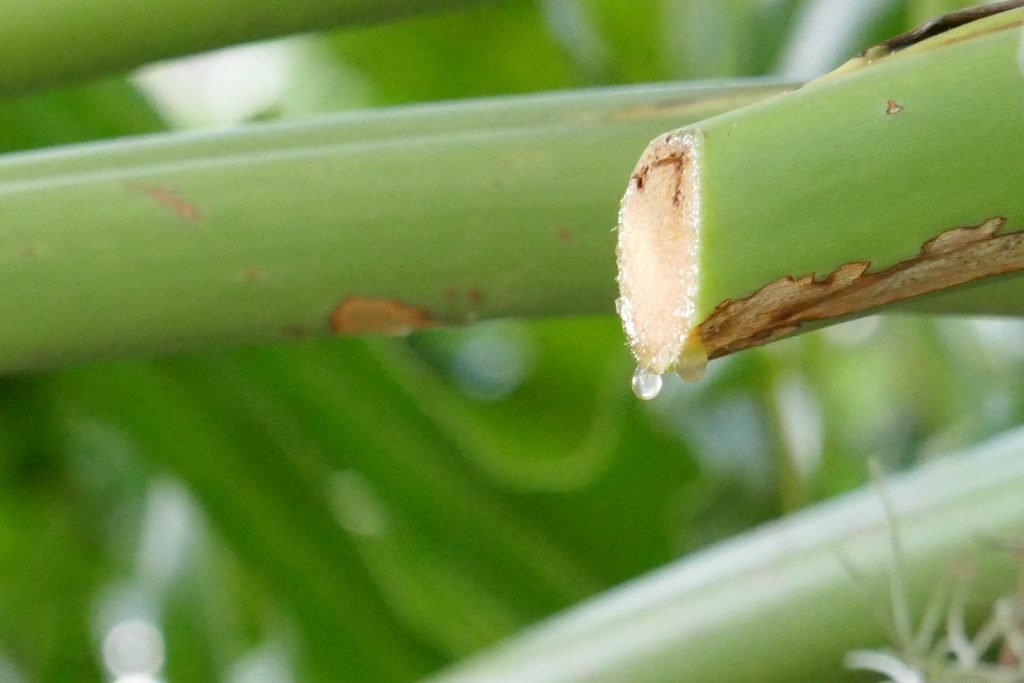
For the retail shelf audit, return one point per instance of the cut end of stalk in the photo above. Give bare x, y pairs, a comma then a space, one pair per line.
659, 231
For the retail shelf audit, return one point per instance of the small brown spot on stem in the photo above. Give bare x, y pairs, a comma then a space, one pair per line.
474, 296
564, 234
891, 107
368, 315
953, 257
253, 273
168, 199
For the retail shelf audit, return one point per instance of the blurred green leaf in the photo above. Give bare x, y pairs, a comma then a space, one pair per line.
104, 109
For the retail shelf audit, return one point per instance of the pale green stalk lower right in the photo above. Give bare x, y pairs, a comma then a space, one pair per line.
786, 602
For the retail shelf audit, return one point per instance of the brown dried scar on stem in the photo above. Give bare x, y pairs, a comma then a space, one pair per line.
932, 30
942, 24
367, 315
168, 199
954, 257
658, 239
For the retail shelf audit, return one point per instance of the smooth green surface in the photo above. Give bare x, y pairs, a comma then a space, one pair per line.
817, 572
825, 176
36, 36
180, 241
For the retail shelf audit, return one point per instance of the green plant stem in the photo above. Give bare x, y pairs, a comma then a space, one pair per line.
787, 601
837, 183
452, 212
43, 43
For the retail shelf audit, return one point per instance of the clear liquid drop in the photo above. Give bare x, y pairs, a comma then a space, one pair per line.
646, 384
693, 362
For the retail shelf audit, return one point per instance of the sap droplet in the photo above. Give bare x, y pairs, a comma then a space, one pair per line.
693, 362
646, 384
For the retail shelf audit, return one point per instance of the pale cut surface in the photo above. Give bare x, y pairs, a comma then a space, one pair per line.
659, 230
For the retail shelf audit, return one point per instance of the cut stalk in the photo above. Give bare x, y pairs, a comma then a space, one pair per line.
380, 221
897, 177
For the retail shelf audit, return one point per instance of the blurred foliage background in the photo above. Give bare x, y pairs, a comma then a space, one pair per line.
372, 510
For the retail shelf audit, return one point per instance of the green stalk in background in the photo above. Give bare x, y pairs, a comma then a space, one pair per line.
380, 221
896, 177
43, 43
786, 602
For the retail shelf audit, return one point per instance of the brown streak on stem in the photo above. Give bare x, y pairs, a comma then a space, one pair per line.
688, 108
369, 315
942, 24
934, 29
953, 257
168, 199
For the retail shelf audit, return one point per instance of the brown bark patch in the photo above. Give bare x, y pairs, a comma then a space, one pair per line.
938, 29
168, 199
367, 315
942, 24
954, 257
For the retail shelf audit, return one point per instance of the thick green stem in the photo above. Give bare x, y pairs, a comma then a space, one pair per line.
43, 42
895, 178
786, 602
375, 222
